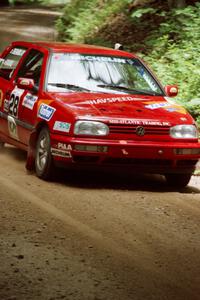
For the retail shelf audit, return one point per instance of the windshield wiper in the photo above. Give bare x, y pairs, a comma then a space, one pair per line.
70, 86
119, 87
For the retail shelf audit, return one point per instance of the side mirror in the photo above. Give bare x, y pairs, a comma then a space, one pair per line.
171, 90
26, 84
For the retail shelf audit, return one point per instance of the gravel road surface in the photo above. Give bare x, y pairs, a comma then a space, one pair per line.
92, 236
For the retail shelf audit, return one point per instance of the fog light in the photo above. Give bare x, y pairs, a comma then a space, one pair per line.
91, 148
195, 151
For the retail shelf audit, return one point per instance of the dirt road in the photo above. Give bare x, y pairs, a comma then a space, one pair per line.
26, 24
95, 236
92, 236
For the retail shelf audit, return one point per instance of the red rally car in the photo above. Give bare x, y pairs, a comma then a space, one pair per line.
80, 105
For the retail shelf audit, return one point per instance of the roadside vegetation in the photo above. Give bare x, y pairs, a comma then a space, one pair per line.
164, 33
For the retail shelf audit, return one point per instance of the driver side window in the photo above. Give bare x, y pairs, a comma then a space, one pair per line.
32, 66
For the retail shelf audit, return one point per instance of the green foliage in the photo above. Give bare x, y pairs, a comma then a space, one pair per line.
82, 19
54, 2
174, 54
142, 11
194, 108
45, 2
169, 40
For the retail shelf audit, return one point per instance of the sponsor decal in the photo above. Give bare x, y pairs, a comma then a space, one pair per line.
6, 105
171, 109
62, 126
1, 97
69, 147
14, 101
46, 112
157, 105
78, 57
138, 122
12, 128
63, 146
177, 108
61, 153
29, 101
17, 51
9, 62
166, 106
111, 100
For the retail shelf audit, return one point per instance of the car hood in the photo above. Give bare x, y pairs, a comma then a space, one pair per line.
100, 106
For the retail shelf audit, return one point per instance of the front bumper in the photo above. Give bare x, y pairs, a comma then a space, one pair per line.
154, 157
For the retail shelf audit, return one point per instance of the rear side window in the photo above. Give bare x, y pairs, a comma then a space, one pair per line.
9, 63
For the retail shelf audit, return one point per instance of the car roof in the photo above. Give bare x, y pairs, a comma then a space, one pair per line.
73, 48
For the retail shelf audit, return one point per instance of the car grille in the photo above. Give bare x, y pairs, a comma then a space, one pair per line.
127, 129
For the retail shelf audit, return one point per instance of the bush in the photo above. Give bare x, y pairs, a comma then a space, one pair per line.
175, 51
169, 40
194, 108
82, 19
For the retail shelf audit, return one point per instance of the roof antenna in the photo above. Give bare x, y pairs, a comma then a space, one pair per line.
119, 46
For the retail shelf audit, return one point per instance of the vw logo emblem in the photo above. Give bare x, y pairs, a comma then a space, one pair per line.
140, 131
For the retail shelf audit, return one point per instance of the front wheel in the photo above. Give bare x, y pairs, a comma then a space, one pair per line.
178, 180
43, 159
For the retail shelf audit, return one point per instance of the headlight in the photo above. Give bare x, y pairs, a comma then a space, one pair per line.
90, 128
184, 132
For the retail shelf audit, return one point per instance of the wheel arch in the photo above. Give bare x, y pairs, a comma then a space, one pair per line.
35, 133
30, 162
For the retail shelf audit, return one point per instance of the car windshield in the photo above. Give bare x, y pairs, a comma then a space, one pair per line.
71, 72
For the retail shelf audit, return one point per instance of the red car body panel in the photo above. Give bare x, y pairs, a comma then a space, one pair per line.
155, 151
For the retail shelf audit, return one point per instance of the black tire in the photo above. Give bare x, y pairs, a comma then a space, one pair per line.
178, 180
44, 166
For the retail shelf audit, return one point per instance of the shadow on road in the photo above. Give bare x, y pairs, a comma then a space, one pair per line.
106, 179
118, 180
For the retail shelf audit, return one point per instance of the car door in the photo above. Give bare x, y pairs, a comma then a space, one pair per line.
30, 69
8, 65
18, 109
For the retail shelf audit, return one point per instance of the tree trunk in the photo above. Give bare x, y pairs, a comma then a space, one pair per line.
177, 3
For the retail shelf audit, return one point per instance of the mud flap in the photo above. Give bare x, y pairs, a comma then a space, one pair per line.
30, 159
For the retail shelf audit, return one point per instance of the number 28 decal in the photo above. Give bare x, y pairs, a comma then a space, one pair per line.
14, 102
